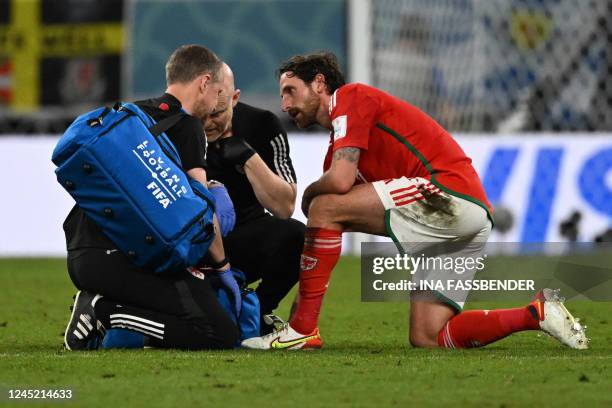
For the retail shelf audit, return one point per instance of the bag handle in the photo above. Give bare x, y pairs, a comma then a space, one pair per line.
165, 124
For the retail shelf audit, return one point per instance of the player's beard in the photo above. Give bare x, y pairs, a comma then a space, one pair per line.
307, 116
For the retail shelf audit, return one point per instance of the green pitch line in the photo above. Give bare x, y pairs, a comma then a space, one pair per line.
366, 360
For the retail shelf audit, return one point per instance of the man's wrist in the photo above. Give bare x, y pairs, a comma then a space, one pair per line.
224, 268
236, 151
221, 265
214, 184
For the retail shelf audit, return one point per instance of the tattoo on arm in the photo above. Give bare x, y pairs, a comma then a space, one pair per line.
347, 153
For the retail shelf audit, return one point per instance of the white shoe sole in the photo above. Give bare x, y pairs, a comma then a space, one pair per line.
559, 323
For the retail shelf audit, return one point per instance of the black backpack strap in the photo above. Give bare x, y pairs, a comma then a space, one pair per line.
165, 124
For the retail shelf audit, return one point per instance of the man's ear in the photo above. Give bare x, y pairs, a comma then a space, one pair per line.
235, 97
319, 82
204, 81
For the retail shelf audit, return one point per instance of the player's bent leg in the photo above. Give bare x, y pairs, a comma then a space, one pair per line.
329, 215
438, 323
280, 263
477, 328
421, 218
173, 311
432, 316
200, 331
427, 318
268, 248
321, 252
359, 210
435, 323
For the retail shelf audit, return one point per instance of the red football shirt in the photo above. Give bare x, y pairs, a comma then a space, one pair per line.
397, 139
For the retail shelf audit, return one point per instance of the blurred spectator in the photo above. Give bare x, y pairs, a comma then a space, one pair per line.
570, 228
605, 236
406, 69
577, 97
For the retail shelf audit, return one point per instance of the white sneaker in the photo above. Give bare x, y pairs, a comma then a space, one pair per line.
557, 321
285, 337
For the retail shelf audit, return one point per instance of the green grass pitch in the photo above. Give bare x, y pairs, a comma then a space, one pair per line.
366, 360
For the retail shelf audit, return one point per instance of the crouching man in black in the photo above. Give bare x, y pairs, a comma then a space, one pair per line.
173, 310
249, 153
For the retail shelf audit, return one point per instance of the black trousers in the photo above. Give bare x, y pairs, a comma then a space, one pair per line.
174, 311
268, 248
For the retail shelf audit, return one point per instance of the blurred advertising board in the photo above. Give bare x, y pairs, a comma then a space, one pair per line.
57, 53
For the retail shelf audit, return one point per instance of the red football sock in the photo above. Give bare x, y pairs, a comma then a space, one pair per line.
476, 328
321, 252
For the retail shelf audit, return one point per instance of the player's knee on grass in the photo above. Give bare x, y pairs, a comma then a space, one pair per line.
196, 335
214, 330
225, 337
421, 339
211, 326
427, 317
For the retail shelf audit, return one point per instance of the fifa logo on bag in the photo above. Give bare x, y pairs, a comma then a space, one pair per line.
165, 187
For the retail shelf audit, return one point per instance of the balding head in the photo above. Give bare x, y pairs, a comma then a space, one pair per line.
228, 79
219, 123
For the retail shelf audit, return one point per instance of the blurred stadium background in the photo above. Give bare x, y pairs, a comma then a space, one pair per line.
525, 85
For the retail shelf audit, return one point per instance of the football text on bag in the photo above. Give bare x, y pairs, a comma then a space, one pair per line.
124, 172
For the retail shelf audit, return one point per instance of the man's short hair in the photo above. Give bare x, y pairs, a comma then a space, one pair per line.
190, 61
306, 67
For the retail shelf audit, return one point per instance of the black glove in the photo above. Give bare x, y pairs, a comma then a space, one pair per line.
235, 150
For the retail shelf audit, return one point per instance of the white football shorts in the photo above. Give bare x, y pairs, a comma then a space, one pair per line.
426, 222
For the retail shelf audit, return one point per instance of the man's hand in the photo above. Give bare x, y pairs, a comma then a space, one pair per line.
224, 206
227, 281
339, 179
222, 278
235, 150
